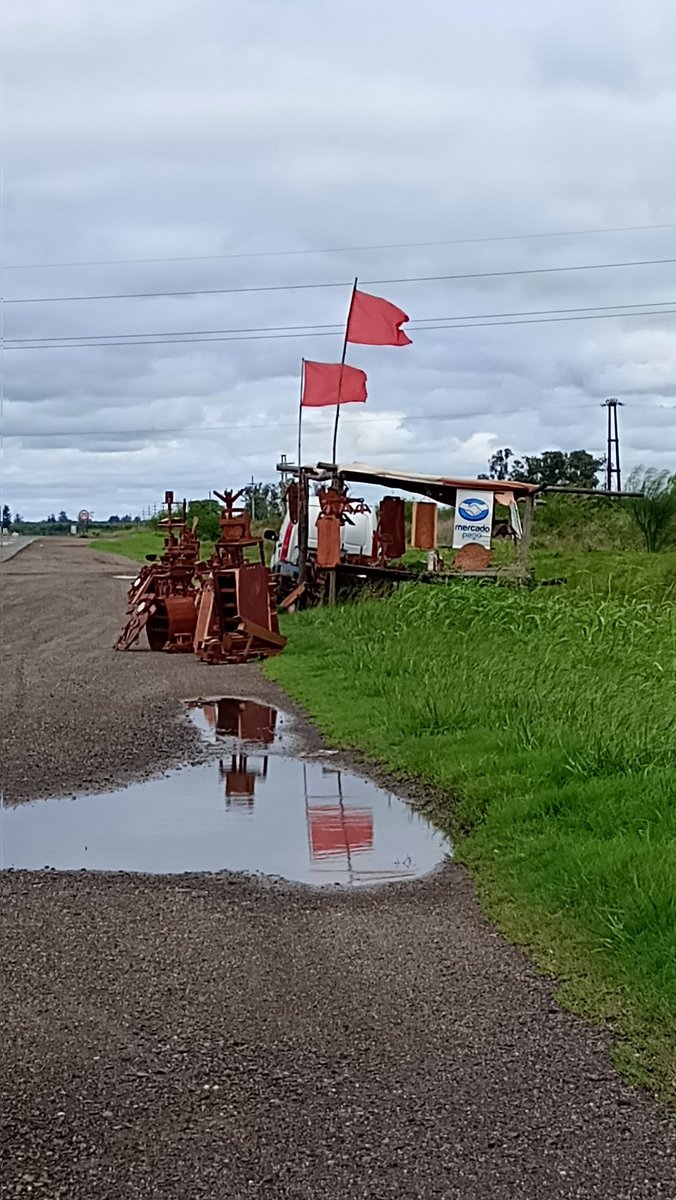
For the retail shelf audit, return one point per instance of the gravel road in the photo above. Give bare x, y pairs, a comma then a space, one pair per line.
202, 1036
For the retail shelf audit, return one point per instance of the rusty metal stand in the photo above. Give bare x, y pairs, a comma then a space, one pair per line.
161, 598
236, 610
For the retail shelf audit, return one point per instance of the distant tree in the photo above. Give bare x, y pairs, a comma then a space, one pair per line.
208, 513
654, 511
264, 502
18, 519
6, 521
51, 519
499, 464
555, 468
63, 518
583, 469
114, 519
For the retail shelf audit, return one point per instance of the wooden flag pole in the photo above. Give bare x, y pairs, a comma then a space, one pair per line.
300, 411
342, 363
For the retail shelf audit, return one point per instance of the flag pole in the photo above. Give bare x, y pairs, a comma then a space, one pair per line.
300, 409
342, 363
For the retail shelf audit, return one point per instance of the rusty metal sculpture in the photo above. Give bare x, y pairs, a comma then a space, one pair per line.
390, 538
236, 610
223, 609
335, 509
161, 599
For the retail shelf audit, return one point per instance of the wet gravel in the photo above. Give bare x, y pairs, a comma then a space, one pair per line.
206, 1036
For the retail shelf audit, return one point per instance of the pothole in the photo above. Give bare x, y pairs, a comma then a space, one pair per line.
258, 808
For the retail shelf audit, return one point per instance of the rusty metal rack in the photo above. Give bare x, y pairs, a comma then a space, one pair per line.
321, 572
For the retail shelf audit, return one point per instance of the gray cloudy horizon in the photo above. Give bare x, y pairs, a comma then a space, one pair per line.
167, 130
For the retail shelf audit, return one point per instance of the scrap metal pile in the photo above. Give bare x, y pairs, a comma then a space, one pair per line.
221, 609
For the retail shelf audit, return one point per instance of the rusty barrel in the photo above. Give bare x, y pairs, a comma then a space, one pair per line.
172, 624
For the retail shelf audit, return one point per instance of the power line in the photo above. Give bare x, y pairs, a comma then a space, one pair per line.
509, 237
263, 337
551, 320
356, 421
309, 327
208, 429
299, 287
193, 332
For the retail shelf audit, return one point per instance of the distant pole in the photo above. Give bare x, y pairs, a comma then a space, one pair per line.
300, 412
303, 523
342, 364
613, 472
253, 501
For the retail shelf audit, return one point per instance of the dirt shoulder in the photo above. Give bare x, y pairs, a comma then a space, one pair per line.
209, 1036
74, 715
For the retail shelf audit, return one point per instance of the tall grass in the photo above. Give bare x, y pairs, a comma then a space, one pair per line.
607, 574
551, 718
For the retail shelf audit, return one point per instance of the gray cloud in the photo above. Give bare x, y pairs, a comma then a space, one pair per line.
175, 129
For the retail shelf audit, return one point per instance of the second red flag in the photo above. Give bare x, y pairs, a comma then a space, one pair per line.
332, 383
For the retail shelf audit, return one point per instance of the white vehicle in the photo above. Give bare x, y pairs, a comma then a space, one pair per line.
355, 538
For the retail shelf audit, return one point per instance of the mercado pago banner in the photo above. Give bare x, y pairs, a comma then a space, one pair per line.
473, 518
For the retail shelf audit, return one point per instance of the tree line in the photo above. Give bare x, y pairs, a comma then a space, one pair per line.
552, 468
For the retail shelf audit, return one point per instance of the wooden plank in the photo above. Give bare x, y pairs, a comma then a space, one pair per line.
293, 596
205, 612
261, 634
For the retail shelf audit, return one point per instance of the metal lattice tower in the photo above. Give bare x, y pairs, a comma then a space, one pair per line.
613, 473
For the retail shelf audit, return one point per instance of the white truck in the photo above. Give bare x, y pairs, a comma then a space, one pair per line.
356, 539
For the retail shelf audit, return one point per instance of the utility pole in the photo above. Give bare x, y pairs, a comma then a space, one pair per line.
613, 446
253, 499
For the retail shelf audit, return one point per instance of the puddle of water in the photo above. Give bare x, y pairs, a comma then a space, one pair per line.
228, 720
254, 811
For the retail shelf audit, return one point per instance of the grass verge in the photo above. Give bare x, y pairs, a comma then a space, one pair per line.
134, 545
546, 723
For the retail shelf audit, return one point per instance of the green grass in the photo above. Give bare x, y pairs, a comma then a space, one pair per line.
131, 544
598, 573
606, 573
136, 545
545, 723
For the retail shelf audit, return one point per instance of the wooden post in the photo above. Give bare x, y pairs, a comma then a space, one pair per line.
524, 548
300, 413
303, 523
332, 587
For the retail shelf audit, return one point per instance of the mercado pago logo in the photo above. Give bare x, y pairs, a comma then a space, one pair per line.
473, 518
473, 509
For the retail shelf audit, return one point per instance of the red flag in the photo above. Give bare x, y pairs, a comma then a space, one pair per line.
376, 322
335, 831
332, 383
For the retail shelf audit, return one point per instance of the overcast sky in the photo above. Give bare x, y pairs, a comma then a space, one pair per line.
271, 132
